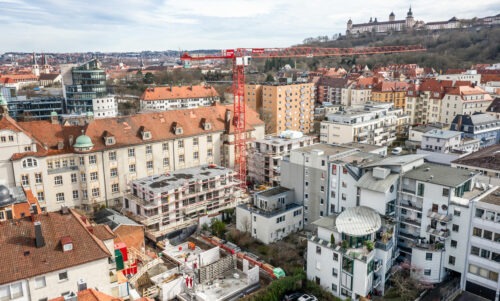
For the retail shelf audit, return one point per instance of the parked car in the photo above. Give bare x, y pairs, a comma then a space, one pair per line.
397, 150
306, 297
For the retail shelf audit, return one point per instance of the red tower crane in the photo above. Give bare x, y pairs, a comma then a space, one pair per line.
240, 58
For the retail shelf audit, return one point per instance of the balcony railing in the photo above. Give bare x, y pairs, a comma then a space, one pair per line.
413, 222
409, 205
438, 216
436, 232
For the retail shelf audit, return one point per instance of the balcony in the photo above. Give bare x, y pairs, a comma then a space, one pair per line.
62, 169
426, 246
406, 204
379, 244
378, 266
407, 190
376, 280
439, 217
408, 236
444, 233
410, 221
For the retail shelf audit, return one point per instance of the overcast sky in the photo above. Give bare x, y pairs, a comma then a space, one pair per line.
134, 25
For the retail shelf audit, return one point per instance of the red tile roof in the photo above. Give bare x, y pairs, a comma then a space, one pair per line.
91, 295
21, 259
103, 232
126, 129
391, 86
175, 92
21, 210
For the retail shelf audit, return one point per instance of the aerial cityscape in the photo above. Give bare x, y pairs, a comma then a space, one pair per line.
250, 150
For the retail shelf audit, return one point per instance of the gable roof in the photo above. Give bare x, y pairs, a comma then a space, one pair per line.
90, 295
175, 92
488, 157
494, 106
21, 259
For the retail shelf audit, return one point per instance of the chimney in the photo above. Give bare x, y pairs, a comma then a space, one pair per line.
227, 118
70, 140
39, 240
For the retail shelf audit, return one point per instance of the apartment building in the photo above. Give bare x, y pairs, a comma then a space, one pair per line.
59, 255
264, 155
375, 123
330, 89
464, 100
357, 92
486, 162
415, 133
283, 106
92, 164
168, 202
482, 127
393, 92
271, 216
483, 252
17, 203
352, 253
443, 146
178, 97
469, 75
323, 178
423, 102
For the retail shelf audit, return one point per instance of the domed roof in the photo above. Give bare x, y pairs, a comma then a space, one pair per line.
53, 113
392, 14
83, 141
358, 221
349, 22
5, 198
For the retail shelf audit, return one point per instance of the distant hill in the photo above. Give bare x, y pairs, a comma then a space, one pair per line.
445, 49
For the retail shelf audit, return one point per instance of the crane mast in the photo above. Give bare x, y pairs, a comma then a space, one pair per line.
240, 58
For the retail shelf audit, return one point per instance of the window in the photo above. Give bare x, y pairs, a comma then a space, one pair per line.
94, 176
60, 197
85, 195
180, 143
195, 141
38, 178
131, 152
40, 282
149, 164
16, 290
25, 180
318, 250
456, 212
181, 158
113, 172
477, 232
112, 156
428, 256
335, 272
92, 159
131, 168
335, 256
451, 260
487, 235
427, 272
334, 287
73, 178
115, 188
50, 165
453, 243
485, 254
209, 152
166, 162
95, 192
196, 155
58, 180
57, 164
75, 194
82, 161
149, 149
421, 188
164, 146
40, 196
83, 177
209, 138
446, 192
474, 250
454, 228
29, 162
479, 213
63, 276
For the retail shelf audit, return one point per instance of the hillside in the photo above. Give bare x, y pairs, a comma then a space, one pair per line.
446, 49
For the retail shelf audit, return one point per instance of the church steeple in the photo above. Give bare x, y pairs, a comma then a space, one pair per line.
35, 69
4, 110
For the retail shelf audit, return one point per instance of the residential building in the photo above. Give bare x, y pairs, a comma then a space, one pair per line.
35, 108
125, 229
486, 162
482, 127
105, 107
59, 255
177, 200
494, 108
87, 165
271, 216
323, 178
330, 89
483, 252
424, 101
415, 133
49, 79
351, 254
359, 92
445, 146
394, 92
464, 100
375, 123
264, 155
89, 294
284, 106
82, 84
469, 75
17, 203
178, 97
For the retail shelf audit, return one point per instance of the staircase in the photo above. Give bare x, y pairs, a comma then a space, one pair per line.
144, 269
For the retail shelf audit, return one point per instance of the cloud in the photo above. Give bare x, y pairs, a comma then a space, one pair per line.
129, 25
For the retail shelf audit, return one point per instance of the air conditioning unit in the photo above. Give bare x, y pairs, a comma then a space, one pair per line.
82, 284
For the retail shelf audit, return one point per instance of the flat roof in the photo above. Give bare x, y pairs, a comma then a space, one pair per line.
358, 221
274, 191
369, 182
327, 222
363, 146
397, 160
439, 174
492, 198
277, 140
442, 134
180, 178
328, 149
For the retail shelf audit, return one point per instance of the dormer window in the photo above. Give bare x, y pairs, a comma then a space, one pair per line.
146, 135
177, 129
110, 141
29, 163
67, 243
207, 126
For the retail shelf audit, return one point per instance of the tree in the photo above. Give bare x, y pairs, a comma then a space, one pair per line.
218, 227
149, 78
269, 78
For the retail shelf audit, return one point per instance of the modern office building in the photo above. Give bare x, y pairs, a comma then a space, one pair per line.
39, 108
87, 82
